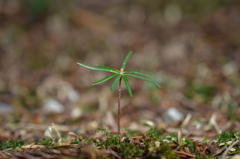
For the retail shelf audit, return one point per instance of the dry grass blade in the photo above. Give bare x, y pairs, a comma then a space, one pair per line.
227, 150
184, 154
214, 123
186, 120
179, 136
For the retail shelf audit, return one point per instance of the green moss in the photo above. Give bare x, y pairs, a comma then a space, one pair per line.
191, 145
157, 150
227, 137
130, 150
124, 149
132, 133
170, 138
167, 152
154, 133
11, 144
47, 142
76, 141
155, 145
112, 139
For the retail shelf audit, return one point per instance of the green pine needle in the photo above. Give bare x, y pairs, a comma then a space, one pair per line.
105, 79
116, 81
127, 85
108, 68
97, 68
120, 74
126, 59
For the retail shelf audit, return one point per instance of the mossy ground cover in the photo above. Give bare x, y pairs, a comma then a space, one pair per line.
191, 48
152, 144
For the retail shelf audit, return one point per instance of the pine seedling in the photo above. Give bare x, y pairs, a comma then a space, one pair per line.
120, 74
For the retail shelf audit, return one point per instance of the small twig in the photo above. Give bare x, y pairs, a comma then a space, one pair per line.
179, 136
184, 123
227, 150
184, 153
186, 120
58, 134
214, 123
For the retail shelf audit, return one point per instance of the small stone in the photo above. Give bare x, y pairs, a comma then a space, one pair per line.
5, 108
48, 133
52, 105
173, 115
76, 112
73, 95
230, 68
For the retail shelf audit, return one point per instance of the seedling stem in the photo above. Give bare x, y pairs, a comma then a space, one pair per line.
119, 105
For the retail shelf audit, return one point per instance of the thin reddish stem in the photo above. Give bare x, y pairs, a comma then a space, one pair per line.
119, 106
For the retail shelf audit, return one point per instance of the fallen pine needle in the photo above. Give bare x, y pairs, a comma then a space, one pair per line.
227, 150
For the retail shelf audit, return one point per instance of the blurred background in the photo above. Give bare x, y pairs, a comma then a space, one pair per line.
191, 47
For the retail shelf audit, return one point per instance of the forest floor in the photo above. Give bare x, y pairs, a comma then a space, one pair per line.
49, 109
